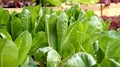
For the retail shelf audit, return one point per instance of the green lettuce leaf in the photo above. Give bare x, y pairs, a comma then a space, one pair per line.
24, 43
80, 59
51, 21
110, 46
8, 53
5, 34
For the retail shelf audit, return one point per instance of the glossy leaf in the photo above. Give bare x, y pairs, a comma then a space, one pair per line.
26, 20
8, 53
39, 41
51, 30
80, 60
62, 26
5, 18
71, 40
53, 59
5, 34
40, 25
109, 44
95, 28
16, 27
41, 53
24, 43
85, 43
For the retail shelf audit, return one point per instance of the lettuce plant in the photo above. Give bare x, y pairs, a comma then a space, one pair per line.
70, 38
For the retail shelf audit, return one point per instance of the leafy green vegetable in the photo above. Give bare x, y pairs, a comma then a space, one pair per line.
51, 30
8, 53
53, 59
73, 38
5, 17
39, 41
95, 28
62, 25
26, 20
24, 43
80, 59
4, 34
16, 27
109, 44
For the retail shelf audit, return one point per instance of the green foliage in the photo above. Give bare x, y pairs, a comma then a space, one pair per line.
8, 53
70, 38
24, 43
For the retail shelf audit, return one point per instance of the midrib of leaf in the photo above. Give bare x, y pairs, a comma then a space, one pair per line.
112, 60
67, 36
83, 49
106, 51
48, 29
63, 61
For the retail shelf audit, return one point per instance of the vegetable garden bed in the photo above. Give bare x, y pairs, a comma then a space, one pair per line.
69, 38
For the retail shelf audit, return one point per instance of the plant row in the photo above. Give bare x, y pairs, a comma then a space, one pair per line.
46, 38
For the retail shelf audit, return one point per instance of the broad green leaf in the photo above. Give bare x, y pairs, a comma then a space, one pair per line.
5, 19
53, 59
54, 2
39, 41
24, 43
14, 14
36, 12
40, 24
26, 20
71, 40
16, 27
62, 25
8, 53
4, 34
110, 45
25, 62
80, 59
51, 30
49, 55
95, 28
41, 53
85, 43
